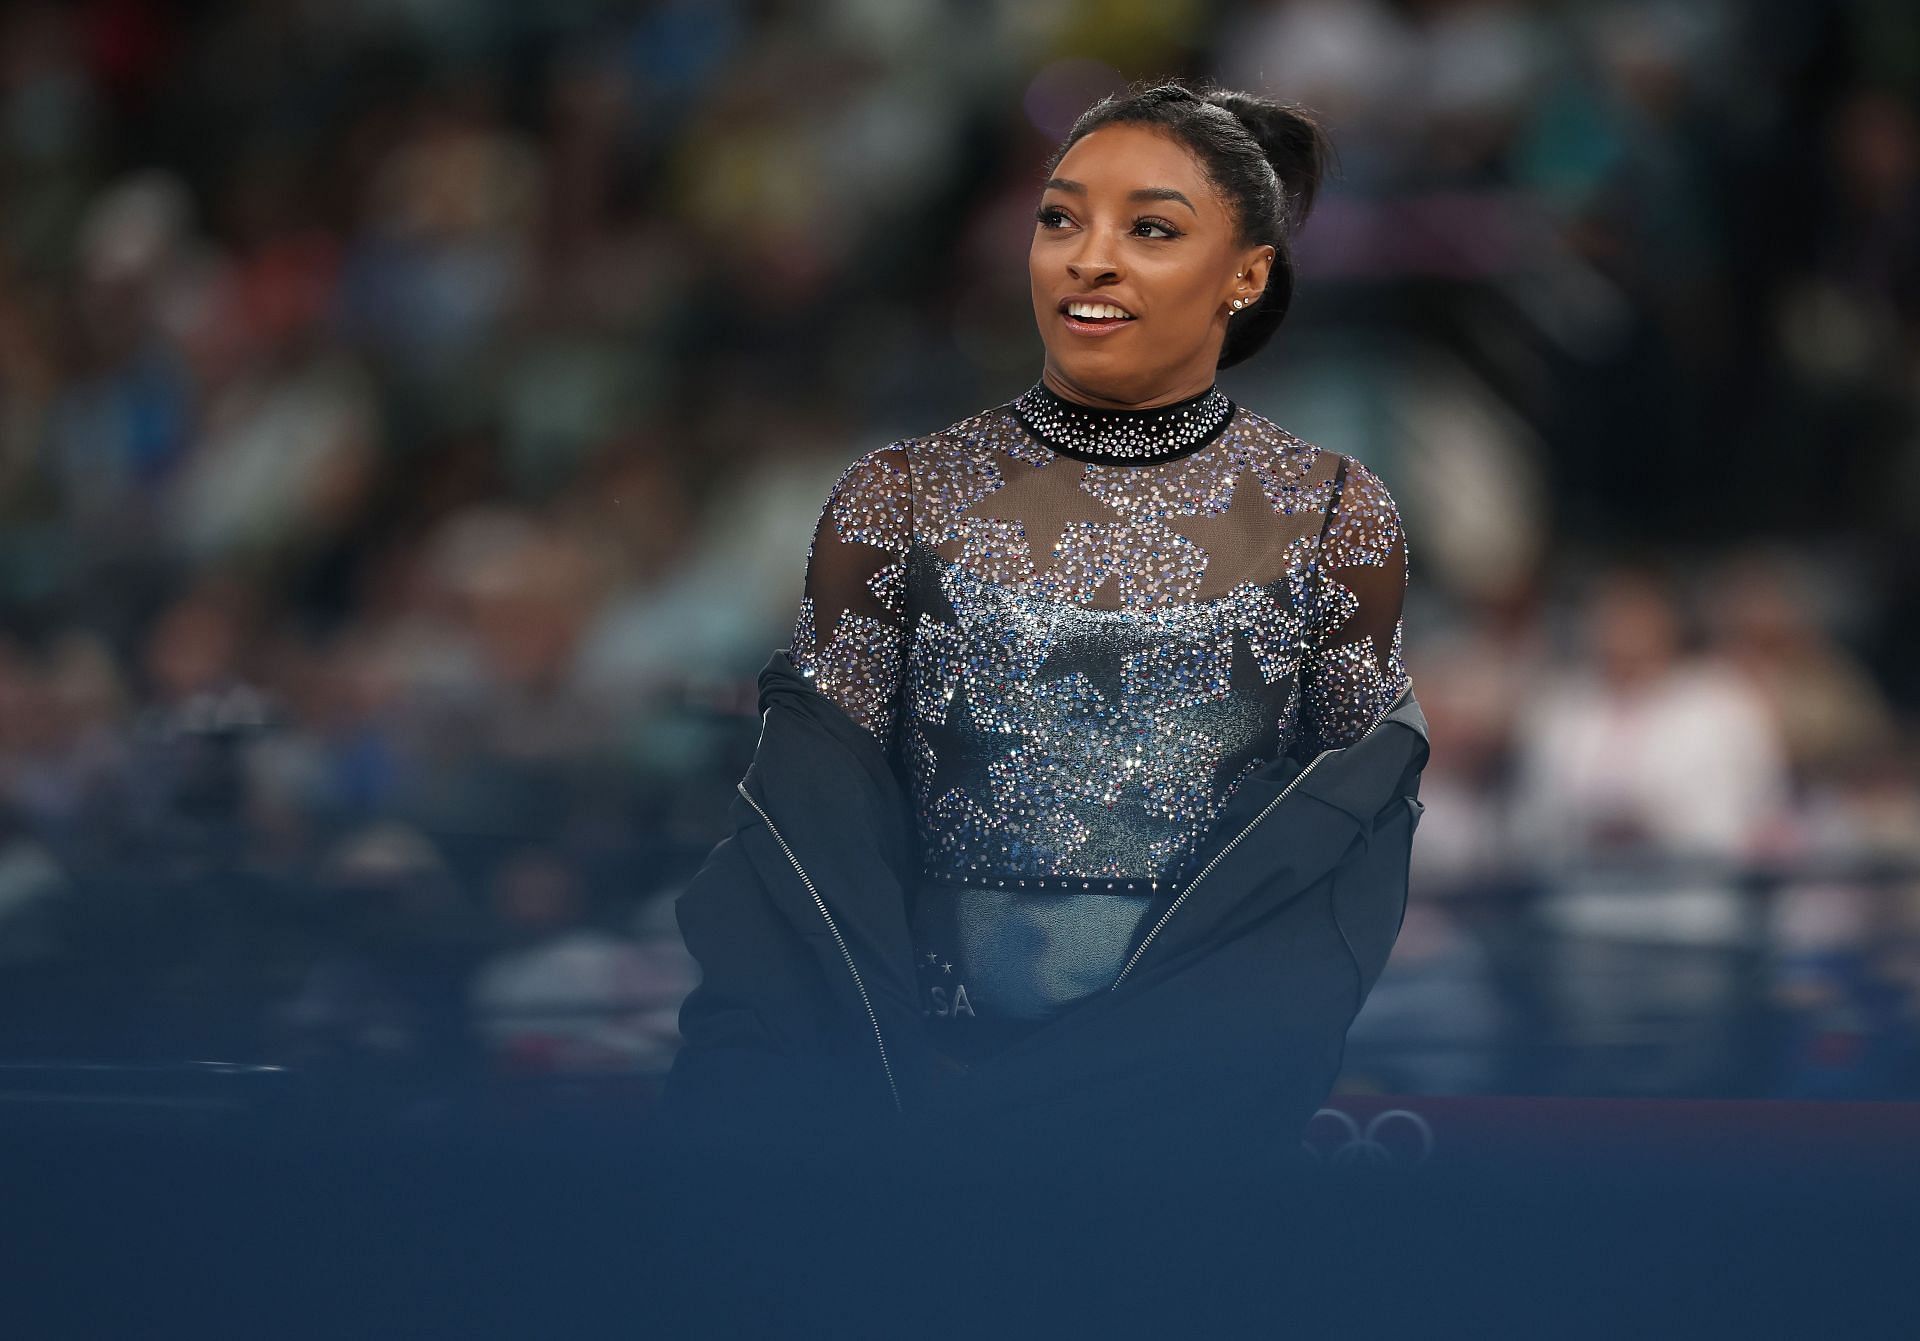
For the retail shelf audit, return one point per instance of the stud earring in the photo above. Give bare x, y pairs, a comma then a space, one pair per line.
1238, 304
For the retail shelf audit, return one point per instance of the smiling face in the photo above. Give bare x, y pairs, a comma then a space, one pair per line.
1130, 223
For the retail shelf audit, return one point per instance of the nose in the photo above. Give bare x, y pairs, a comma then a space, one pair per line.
1088, 267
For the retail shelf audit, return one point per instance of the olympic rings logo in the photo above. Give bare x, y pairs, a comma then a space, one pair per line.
1392, 1136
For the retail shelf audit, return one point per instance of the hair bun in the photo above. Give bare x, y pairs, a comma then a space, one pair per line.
1292, 140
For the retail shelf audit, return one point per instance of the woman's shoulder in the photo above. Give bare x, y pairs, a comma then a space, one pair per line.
958, 450
882, 478
1294, 455
1250, 421
1362, 517
876, 484
994, 428
1364, 525
979, 431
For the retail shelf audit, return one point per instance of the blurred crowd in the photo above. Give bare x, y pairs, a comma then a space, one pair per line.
413, 418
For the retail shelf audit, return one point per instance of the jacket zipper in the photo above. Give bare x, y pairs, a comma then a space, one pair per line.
1175, 906
820, 903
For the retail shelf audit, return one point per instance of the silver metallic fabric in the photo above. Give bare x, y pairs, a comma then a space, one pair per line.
1076, 642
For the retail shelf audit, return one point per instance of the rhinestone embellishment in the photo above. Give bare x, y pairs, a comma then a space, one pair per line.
1079, 664
1123, 437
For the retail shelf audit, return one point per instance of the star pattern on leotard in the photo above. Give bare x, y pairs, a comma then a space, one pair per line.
1245, 527
1031, 502
1086, 657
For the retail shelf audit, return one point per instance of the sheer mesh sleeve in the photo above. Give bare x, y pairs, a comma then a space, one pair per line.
1354, 669
850, 634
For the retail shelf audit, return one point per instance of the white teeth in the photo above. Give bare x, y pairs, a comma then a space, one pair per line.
1095, 310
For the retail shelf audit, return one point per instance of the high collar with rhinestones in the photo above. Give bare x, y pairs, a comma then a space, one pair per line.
1123, 437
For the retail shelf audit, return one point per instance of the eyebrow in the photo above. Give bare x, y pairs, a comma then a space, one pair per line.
1144, 193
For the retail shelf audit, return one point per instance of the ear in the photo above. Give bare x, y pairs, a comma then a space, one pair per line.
1255, 268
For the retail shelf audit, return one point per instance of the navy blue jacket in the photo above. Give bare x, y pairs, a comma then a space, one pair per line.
1229, 1018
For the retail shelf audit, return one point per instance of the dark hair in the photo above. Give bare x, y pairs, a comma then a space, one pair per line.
1265, 157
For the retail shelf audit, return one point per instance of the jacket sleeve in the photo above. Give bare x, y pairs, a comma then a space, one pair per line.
1370, 890
850, 634
751, 1027
767, 1049
1354, 670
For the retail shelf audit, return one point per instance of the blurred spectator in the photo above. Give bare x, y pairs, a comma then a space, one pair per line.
384, 996
1643, 749
412, 419
570, 997
32, 887
1827, 710
1639, 745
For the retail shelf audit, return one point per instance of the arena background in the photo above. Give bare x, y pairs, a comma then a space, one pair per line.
413, 414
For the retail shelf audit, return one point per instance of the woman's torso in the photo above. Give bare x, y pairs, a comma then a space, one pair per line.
1084, 631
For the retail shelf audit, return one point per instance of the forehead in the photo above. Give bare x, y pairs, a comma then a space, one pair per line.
1118, 159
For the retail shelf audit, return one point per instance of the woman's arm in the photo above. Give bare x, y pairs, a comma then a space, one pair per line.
850, 634
1354, 669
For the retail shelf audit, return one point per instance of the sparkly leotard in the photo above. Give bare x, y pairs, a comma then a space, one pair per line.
1076, 630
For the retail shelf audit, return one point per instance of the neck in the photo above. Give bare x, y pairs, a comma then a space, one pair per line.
1067, 389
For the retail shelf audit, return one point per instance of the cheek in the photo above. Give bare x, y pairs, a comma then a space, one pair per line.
1187, 293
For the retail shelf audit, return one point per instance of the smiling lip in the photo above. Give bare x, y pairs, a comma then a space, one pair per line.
1081, 326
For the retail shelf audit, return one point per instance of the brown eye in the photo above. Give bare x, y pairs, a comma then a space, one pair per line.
1166, 228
